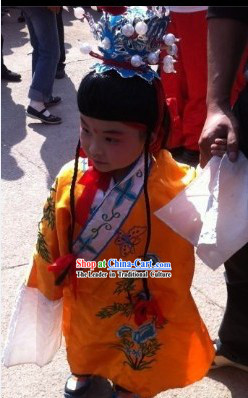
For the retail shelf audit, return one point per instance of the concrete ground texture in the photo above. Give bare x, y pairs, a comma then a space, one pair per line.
32, 155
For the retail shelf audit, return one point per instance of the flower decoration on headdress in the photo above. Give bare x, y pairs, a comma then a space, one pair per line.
131, 39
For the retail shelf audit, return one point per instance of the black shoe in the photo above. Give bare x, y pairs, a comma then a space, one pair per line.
75, 388
52, 101
51, 119
60, 74
10, 76
190, 157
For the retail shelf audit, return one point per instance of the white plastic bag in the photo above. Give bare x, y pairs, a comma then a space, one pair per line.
35, 329
212, 212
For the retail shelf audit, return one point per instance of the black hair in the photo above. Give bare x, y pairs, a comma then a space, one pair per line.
108, 96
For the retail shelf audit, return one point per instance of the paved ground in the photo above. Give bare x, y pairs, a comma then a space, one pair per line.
32, 155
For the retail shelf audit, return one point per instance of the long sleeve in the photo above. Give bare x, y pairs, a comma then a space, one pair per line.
46, 251
35, 328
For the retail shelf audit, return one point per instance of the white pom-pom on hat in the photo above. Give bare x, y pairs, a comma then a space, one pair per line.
172, 50
169, 39
169, 60
168, 64
141, 28
153, 58
169, 68
127, 30
136, 61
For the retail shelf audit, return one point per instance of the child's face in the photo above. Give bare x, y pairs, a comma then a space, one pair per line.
111, 146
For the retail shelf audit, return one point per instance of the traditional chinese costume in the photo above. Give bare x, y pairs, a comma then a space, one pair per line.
110, 328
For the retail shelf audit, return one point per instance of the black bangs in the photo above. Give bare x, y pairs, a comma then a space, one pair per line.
109, 96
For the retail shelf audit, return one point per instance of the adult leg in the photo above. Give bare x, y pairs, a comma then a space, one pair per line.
3, 67
33, 40
233, 333
7, 74
35, 56
61, 64
45, 29
44, 39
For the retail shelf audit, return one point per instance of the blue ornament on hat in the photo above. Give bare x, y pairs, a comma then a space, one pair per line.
130, 43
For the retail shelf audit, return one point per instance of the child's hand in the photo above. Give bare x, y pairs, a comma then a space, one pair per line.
219, 147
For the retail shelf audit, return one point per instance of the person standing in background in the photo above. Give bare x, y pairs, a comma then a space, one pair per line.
186, 89
42, 26
7, 74
227, 43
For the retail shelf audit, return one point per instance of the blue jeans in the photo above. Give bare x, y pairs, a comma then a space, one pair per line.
42, 26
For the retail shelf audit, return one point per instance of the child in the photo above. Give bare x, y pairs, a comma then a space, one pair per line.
145, 334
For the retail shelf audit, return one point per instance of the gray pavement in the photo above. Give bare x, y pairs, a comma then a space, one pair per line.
32, 155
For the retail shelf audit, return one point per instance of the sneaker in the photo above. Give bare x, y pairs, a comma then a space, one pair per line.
76, 386
221, 360
51, 119
10, 76
52, 101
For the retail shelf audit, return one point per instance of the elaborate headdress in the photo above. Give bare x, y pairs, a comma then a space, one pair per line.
131, 39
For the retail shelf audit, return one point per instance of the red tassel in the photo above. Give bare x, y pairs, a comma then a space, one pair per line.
61, 264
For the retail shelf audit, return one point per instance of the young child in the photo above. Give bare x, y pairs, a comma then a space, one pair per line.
144, 334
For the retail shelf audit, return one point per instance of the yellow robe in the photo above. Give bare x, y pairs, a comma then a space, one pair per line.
101, 335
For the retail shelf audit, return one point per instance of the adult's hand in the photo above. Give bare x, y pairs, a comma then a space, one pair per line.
219, 123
